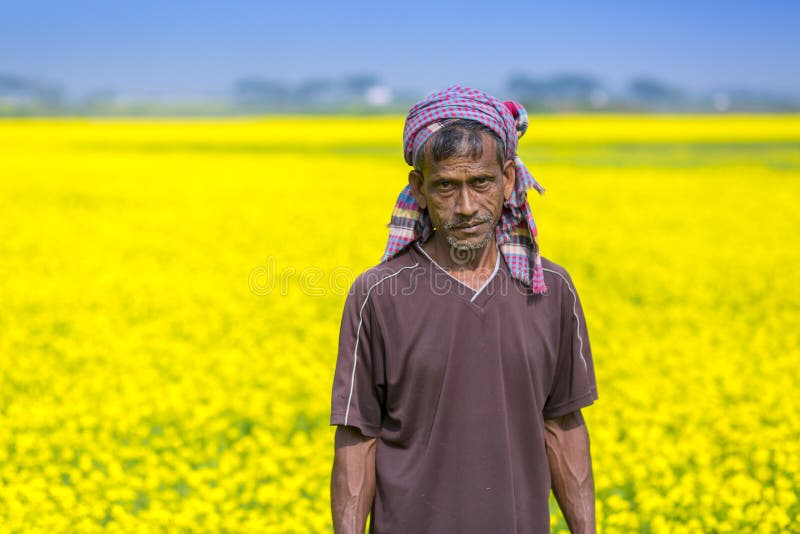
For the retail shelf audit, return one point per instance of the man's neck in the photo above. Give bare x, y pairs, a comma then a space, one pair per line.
464, 262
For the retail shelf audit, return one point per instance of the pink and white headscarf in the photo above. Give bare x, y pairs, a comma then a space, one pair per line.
515, 232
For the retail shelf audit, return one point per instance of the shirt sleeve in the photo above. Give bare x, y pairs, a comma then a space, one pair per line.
574, 385
358, 384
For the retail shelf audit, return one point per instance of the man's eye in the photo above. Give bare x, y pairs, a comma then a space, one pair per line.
445, 185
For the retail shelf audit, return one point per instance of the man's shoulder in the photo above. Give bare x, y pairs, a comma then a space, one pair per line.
554, 268
555, 274
399, 266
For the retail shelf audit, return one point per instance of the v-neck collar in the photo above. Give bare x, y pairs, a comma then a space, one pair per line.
476, 292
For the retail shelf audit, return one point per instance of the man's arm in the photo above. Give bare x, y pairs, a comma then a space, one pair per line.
567, 443
352, 480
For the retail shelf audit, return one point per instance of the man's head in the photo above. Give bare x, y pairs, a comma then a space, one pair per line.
462, 177
423, 205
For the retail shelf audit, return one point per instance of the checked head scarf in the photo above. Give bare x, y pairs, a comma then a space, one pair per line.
515, 232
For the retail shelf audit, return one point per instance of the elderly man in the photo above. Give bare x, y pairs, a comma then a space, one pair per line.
464, 358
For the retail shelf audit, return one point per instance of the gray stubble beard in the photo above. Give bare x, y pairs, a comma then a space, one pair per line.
466, 247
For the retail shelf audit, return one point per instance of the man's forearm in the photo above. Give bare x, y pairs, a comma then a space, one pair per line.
567, 443
352, 481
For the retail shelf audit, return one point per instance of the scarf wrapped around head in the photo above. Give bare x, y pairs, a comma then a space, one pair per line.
515, 232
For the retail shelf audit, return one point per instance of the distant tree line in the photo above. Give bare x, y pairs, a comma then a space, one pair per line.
578, 92
359, 91
366, 93
24, 93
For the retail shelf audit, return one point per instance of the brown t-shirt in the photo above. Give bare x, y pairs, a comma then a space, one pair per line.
456, 384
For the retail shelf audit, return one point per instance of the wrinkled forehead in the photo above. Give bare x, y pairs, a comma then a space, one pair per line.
472, 142
464, 166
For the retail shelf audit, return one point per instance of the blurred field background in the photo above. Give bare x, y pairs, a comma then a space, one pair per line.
187, 190
172, 292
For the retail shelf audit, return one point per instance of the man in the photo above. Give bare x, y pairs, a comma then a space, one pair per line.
463, 357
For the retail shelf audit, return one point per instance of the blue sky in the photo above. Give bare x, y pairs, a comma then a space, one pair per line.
176, 47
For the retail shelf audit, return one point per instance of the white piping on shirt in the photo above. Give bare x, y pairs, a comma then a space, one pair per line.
575, 313
486, 283
478, 291
358, 335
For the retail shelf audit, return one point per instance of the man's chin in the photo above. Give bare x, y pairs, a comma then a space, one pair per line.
467, 245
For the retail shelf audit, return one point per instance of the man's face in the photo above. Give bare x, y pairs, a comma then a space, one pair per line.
464, 196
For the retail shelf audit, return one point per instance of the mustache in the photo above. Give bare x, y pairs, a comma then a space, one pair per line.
458, 222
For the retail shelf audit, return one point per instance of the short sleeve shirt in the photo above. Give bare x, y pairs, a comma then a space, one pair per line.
455, 384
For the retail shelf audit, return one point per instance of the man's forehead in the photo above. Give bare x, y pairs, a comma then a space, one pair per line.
460, 162
458, 165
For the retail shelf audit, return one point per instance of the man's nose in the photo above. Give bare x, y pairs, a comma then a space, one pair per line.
465, 203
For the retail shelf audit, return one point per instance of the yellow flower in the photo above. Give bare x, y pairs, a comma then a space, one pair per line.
149, 386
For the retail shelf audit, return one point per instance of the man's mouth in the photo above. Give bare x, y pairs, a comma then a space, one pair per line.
467, 225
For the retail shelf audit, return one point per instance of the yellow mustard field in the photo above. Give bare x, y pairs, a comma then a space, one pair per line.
171, 293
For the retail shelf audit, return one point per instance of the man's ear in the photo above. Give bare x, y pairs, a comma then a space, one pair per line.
415, 183
509, 178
